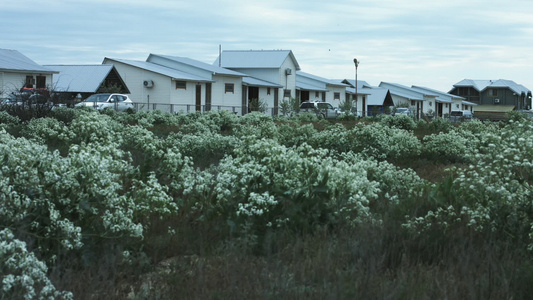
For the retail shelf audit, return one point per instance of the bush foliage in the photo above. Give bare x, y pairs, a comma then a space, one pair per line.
125, 191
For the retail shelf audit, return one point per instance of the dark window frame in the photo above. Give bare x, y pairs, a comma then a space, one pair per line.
229, 88
180, 84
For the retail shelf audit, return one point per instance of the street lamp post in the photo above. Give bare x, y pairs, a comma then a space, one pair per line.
356, 62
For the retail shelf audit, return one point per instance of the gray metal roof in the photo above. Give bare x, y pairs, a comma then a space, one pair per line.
252, 81
172, 73
319, 79
309, 87
403, 91
481, 85
242, 59
360, 91
376, 96
79, 78
12, 60
440, 96
198, 64
351, 82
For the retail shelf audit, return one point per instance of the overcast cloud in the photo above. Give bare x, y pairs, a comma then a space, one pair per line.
434, 44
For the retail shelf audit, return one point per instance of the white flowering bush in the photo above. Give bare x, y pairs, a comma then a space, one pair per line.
47, 131
448, 147
379, 141
399, 121
7, 121
256, 124
270, 185
121, 183
494, 194
295, 134
23, 275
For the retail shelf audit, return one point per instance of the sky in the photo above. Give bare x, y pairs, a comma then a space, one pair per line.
433, 44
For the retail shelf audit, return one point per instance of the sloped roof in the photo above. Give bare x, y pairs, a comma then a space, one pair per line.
481, 85
254, 59
309, 87
248, 80
12, 60
360, 91
377, 96
351, 82
172, 73
440, 96
215, 69
79, 78
319, 79
403, 91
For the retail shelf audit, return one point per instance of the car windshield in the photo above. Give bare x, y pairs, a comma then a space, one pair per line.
324, 105
401, 109
456, 113
98, 98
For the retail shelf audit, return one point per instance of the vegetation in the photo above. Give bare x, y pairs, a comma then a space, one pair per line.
214, 206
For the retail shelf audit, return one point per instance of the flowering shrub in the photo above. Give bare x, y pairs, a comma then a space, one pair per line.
120, 174
399, 121
494, 194
7, 120
23, 275
270, 185
448, 147
381, 142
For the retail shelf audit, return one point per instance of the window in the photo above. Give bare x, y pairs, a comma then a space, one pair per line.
41, 82
316, 94
230, 88
268, 91
493, 93
286, 93
181, 85
337, 96
29, 82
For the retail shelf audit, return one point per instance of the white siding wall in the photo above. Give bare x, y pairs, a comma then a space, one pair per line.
13, 82
219, 95
265, 97
287, 81
330, 95
159, 93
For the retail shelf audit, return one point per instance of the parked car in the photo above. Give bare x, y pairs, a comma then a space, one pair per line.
402, 111
117, 102
461, 115
321, 109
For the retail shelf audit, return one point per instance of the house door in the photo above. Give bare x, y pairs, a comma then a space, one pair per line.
439, 109
304, 96
253, 98
208, 96
364, 106
198, 97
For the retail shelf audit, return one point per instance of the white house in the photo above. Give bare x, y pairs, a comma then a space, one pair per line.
172, 83
18, 71
370, 98
314, 88
420, 102
445, 103
81, 81
275, 67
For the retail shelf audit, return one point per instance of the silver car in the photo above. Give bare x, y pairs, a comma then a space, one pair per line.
321, 109
119, 102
